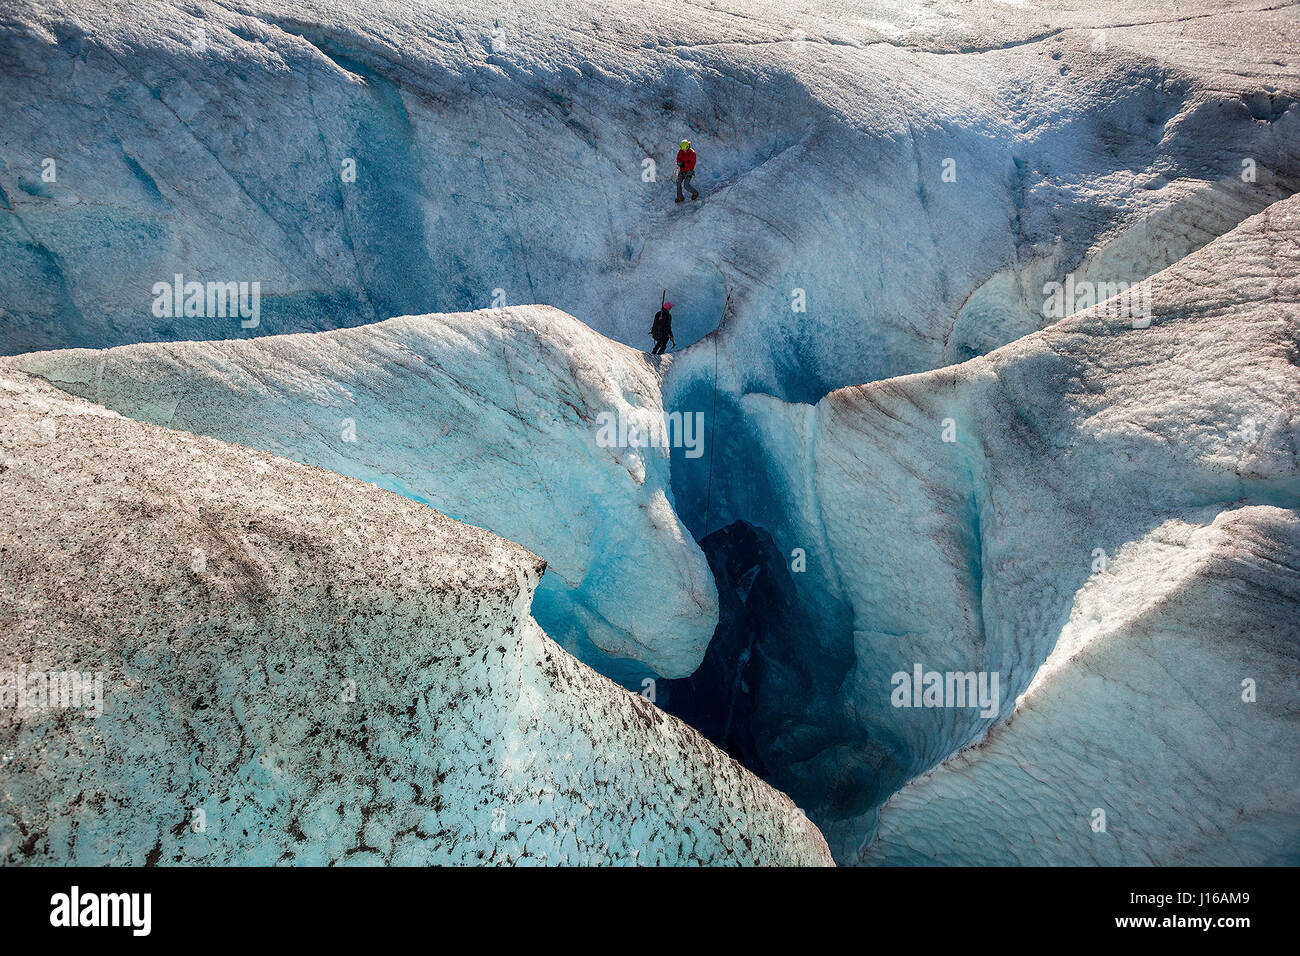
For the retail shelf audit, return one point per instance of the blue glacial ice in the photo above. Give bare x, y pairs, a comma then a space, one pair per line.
495, 418
300, 668
910, 459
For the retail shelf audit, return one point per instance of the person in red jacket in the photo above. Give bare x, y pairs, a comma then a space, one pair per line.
686, 170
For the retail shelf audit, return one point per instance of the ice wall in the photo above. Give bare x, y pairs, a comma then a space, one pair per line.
521, 421
884, 193
1172, 683
887, 189
949, 519
296, 667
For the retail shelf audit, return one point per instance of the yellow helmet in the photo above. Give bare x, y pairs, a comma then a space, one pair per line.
686, 144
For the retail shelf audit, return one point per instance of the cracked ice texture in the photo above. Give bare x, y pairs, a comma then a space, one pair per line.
492, 417
472, 737
823, 132
968, 555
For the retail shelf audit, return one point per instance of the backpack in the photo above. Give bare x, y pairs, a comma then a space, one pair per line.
663, 324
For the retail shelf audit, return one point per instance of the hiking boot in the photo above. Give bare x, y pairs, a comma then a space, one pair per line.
679, 199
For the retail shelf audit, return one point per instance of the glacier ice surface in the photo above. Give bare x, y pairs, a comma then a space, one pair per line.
494, 417
911, 176
298, 667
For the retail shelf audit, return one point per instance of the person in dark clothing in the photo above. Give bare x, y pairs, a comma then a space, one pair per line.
662, 329
686, 170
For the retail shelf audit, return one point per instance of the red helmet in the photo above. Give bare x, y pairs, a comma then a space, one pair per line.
668, 305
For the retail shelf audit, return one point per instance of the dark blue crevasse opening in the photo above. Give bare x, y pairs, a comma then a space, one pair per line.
768, 689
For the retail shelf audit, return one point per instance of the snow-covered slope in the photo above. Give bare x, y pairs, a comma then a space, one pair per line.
300, 668
949, 519
911, 172
1173, 682
493, 417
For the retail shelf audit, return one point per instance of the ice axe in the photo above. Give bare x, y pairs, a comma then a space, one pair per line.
662, 299
661, 305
